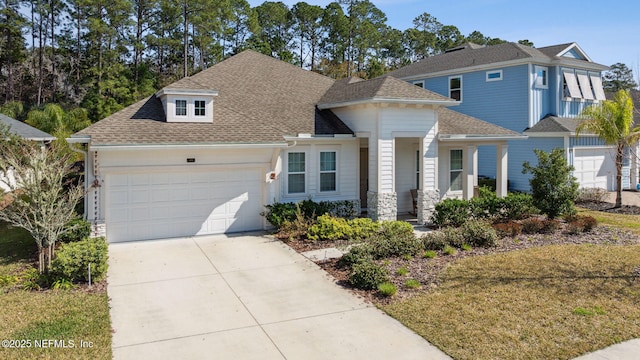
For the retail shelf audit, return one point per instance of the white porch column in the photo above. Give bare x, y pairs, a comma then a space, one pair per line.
501, 170
472, 172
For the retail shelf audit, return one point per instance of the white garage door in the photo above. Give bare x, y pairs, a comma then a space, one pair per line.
172, 204
595, 168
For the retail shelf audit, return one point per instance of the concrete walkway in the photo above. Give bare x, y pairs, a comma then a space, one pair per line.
628, 350
242, 297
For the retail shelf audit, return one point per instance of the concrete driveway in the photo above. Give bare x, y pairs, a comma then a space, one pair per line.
242, 297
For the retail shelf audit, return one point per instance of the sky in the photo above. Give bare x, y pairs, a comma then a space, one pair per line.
607, 31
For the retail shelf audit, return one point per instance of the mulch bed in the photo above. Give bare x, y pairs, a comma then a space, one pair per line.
609, 207
428, 271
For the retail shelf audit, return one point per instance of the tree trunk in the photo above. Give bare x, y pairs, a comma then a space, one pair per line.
40, 259
40, 57
185, 39
53, 51
619, 158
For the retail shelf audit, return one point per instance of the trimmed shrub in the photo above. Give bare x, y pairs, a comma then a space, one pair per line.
384, 246
396, 228
580, 224
479, 233
532, 225
516, 206
363, 228
72, 260
328, 227
368, 275
451, 212
438, 240
387, 289
509, 228
549, 226
356, 255
279, 213
77, 230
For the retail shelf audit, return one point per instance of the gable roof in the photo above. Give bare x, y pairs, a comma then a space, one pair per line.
470, 56
555, 124
25, 131
382, 89
452, 123
260, 99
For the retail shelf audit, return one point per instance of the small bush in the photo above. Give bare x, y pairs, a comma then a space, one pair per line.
356, 255
549, 226
77, 230
532, 226
62, 284
430, 254
387, 289
396, 228
367, 275
296, 228
581, 224
363, 228
479, 233
403, 271
277, 214
31, 279
435, 240
412, 284
384, 246
467, 247
73, 259
451, 212
516, 206
510, 229
328, 227
449, 250
592, 195
8, 280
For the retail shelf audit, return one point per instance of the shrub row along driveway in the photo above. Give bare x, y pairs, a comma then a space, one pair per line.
242, 297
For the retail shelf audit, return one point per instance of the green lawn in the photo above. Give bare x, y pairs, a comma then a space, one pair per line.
622, 221
551, 302
33, 316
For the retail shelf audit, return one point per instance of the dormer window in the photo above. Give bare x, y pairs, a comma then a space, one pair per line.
181, 107
199, 108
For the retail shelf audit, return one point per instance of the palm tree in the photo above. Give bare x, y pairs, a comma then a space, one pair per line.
612, 121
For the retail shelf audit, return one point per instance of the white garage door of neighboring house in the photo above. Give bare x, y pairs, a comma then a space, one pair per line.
595, 167
167, 204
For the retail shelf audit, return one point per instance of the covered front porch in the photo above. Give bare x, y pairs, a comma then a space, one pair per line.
419, 172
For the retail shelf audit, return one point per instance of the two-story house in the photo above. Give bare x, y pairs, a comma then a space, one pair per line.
539, 92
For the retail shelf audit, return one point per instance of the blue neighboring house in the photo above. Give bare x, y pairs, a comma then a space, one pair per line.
535, 91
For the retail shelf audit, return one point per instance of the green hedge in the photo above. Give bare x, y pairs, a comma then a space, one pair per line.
72, 260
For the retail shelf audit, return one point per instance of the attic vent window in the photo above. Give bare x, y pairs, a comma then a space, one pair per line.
542, 77
199, 107
495, 75
181, 107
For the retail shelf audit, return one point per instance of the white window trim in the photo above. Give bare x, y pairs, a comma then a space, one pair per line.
449, 85
418, 158
320, 172
488, 79
306, 173
538, 81
203, 108
419, 83
186, 107
461, 170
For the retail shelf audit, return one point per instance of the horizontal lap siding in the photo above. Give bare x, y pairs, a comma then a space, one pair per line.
521, 151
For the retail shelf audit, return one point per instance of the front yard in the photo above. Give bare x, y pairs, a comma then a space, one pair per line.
51, 324
558, 294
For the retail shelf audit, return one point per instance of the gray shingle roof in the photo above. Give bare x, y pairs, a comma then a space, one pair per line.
554, 124
350, 90
469, 56
24, 130
455, 123
260, 99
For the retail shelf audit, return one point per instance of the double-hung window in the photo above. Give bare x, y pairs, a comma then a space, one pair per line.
455, 88
199, 108
328, 171
181, 107
296, 172
455, 170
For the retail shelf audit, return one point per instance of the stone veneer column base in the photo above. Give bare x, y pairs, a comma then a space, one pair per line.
382, 206
427, 200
